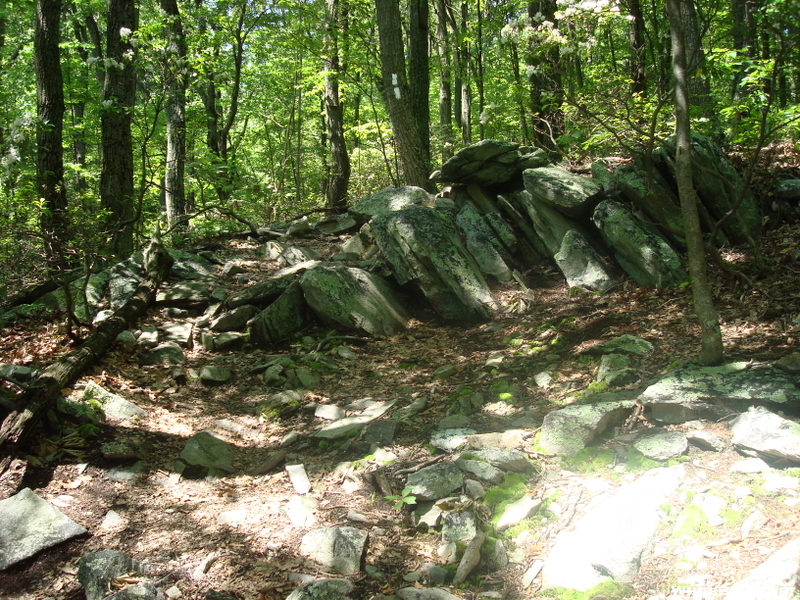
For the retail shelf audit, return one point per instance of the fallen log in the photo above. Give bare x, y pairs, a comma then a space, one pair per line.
35, 402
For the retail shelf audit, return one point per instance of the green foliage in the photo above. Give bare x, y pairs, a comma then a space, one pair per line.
402, 499
608, 590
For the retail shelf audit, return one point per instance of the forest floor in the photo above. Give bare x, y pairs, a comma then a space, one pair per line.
238, 525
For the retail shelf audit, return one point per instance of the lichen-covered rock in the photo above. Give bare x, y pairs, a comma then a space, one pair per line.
768, 434
482, 243
280, 319
489, 163
581, 264
350, 298
571, 194
422, 245
389, 199
642, 254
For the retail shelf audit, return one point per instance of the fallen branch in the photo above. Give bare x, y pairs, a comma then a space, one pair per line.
33, 405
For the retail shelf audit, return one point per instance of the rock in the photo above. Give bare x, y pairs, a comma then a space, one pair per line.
412, 593
211, 375
719, 186
186, 293
662, 445
571, 194
114, 407
470, 559
178, 332
343, 427
299, 478
338, 548
750, 465
581, 264
481, 469
381, 432
658, 202
774, 579
288, 255
503, 458
148, 336
615, 370
80, 410
459, 526
453, 422
31, 524
517, 511
336, 224
280, 319
206, 450
714, 393
451, 439
788, 190
301, 511
420, 244
435, 481
510, 438
789, 363
624, 344
550, 225
229, 340
166, 354
323, 589
235, 319
349, 298
706, 440
329, 412
388, 199
490, 163
96, 571
767, 434
609, 541
262, 292
570, 429
482, 243
647, 258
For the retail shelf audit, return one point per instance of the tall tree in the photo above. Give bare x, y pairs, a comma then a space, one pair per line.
699, 86
711, 350
339, 177
445, 80
175, 80
637, 42
408, 140
419, 78
49, 131
119, 95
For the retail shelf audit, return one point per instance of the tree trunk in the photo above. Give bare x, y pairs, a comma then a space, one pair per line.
175, 80
711, 351
445, 81
637, 38
410, 147
419, 79
339, 178
34, 404
699, 86
546, 90
49, 131
119, 95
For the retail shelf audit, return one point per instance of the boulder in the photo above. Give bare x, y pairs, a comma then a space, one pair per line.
581, 264
774, 579
647, 258
769, 435
234, 319
434, 482
206, 450
347, 297
389, 199
323, 589
280, 319
96, 571
624, 344
715, 393
482, 243
490, 163
570, 194
657, 202
788, 190
609, 541
570, 429
719, 186
262, 292
550, 225
662, 445
336, 224
420, 244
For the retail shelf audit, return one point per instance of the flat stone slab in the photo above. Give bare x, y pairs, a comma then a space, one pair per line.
114, 406
434, 482
31, 524
774, 579
608, 542
714, 393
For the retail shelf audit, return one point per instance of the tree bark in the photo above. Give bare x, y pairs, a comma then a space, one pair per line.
711, 350
119, 96
410, 146
637, 39
34, 404
49, 131
339, 178
175, 81
445, 81
419, 78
